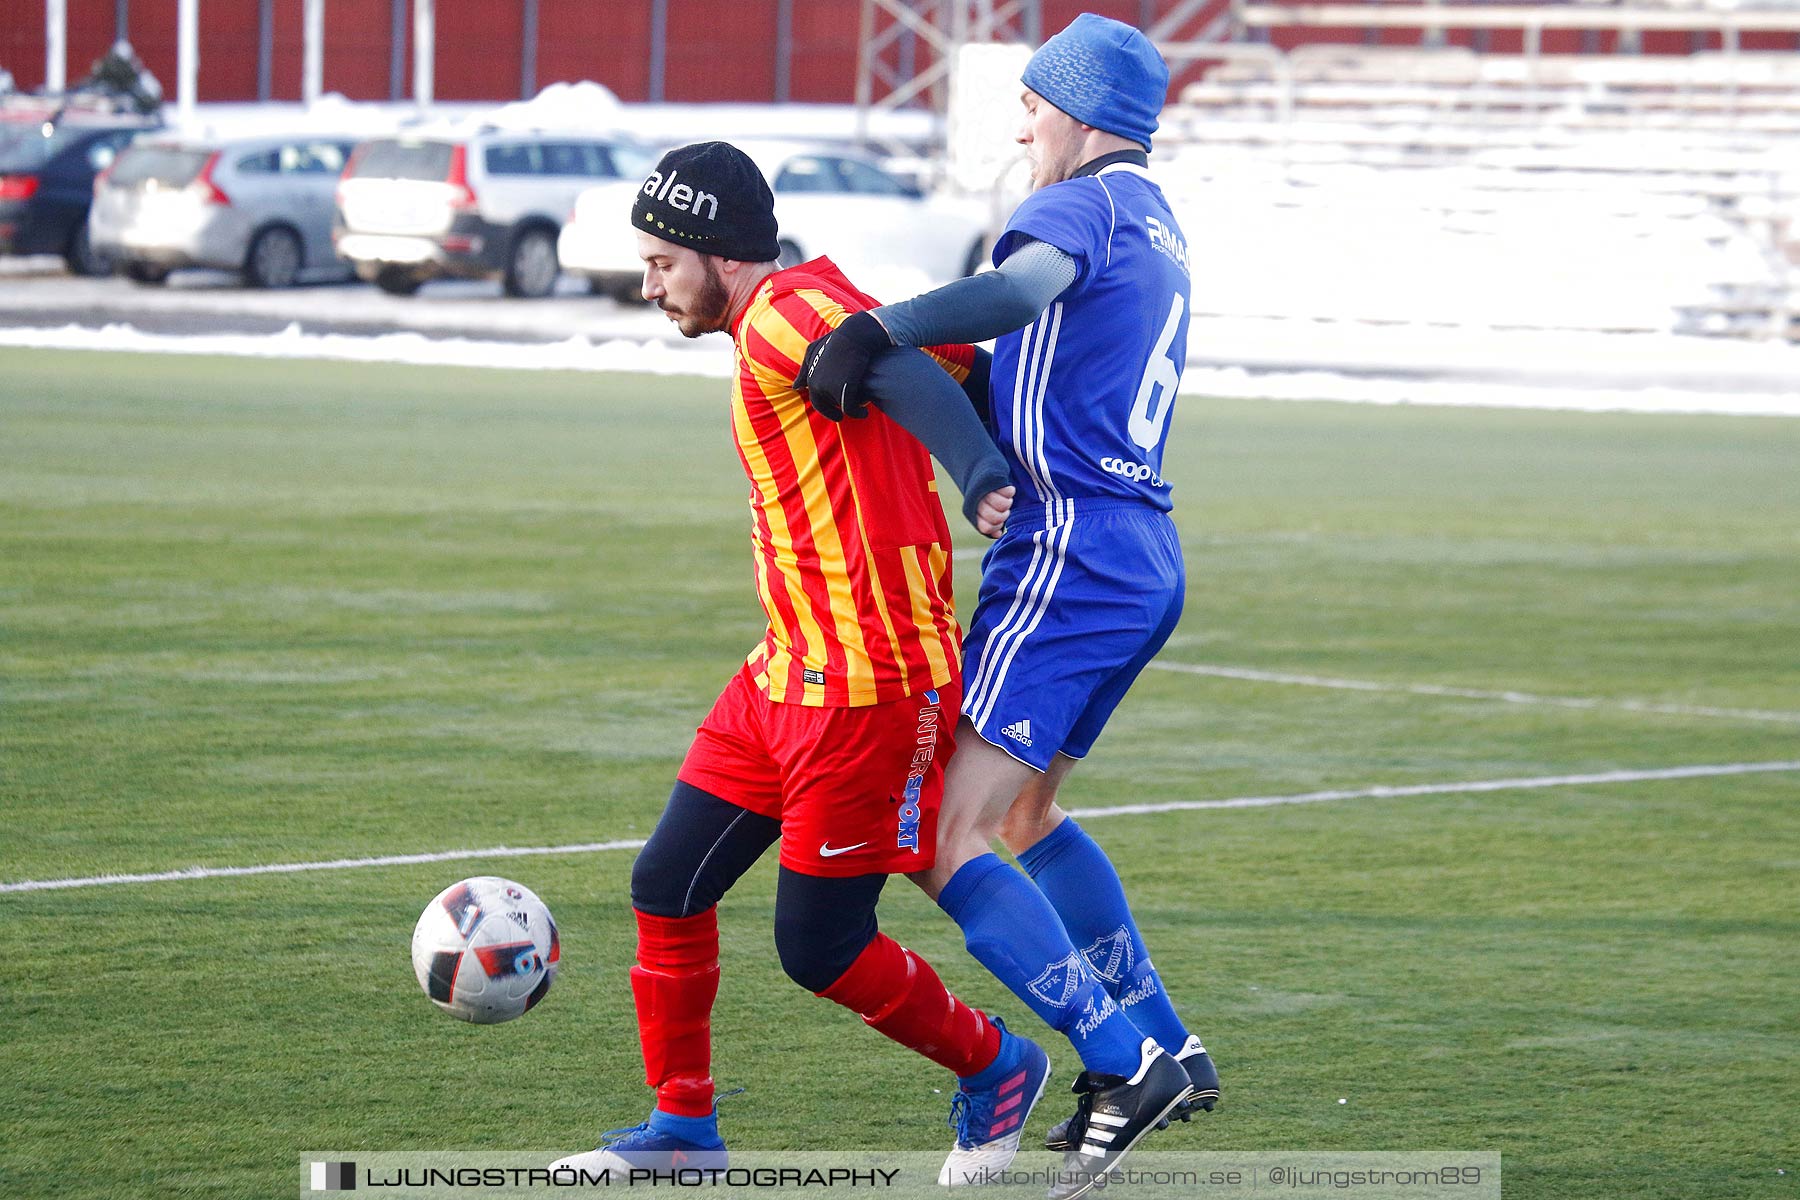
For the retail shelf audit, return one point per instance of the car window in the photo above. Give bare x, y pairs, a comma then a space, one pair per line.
395, 159
26, 147
632, 162
266, 163
868, 180
166, 165
312, 158
606, 166
526, 159
808, 174
570, 158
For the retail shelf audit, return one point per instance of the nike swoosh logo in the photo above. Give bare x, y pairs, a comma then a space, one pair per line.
826, 850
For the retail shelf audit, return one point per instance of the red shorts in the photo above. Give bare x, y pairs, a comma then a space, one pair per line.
856, 790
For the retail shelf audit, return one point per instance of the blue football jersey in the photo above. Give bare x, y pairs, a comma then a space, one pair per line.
1081, 396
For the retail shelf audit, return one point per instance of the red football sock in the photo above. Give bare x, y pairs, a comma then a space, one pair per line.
898, 994
675, 982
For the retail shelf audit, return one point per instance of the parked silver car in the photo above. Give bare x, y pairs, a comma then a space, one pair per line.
470, 203
827, 202
259, 205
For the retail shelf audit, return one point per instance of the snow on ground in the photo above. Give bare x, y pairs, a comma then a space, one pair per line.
708, 358
1462, 393
711, 357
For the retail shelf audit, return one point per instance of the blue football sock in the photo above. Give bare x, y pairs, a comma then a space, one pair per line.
696, 1131
1083, 886
1003, 1065
1011, 930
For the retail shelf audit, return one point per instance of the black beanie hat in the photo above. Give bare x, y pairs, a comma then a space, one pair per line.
709, 197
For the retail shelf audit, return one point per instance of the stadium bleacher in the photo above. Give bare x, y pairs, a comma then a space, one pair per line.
1620, 191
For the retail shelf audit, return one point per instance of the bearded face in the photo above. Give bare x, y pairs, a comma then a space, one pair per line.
686, 285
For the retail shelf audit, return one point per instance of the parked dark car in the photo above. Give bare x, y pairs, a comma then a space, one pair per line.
48, 160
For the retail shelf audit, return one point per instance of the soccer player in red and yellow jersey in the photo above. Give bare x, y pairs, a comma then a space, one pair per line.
833, 734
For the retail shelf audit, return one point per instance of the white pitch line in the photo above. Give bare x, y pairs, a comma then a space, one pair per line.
1442, 789
336, 864
1432, 689
1118, 810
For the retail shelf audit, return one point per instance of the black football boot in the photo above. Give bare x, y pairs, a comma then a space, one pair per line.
1113, 1114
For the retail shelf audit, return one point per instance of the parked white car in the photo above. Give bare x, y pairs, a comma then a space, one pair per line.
259, 205
827, 202
473, 204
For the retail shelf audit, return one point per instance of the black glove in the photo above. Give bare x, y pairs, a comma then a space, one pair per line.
832, 371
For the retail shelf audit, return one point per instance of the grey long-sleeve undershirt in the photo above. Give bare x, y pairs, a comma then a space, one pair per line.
913, 390
983, 306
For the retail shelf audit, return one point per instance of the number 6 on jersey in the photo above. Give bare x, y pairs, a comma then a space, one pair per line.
1156, 391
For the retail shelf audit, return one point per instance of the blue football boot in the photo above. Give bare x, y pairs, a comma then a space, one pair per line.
663, 1143
990, 1108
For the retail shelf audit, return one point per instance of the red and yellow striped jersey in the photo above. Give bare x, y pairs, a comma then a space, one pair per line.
852, 552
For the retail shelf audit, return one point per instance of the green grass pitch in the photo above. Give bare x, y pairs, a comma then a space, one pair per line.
264, 612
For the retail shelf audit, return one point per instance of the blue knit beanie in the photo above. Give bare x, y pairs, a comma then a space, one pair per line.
1103, 73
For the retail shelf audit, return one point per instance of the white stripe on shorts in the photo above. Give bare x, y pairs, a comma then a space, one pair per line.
1021, 596
1057, 539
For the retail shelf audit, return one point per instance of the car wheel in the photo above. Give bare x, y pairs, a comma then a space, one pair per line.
397, 281
81, 256
788, 254
274, 259
143, 272
532, 269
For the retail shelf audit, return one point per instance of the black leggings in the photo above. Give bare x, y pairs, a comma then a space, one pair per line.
703, 845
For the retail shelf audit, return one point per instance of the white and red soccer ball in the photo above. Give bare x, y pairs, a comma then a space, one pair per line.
485, 950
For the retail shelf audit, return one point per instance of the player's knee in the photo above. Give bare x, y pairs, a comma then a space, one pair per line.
657, 885
816, 951
699, 848
823, 925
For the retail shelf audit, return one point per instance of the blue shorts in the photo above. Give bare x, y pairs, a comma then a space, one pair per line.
1071, 608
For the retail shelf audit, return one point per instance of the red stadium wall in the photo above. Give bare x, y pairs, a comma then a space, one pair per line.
362, 37
824, 70
721, 51
715, 51
478, 45
22, 42
607, 43
90, 34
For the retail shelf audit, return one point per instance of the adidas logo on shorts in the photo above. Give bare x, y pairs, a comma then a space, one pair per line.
1019, 731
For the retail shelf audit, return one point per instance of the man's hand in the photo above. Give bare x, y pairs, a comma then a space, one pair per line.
990, 514
832, 371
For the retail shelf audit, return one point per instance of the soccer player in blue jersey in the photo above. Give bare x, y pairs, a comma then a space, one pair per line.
1089, 303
